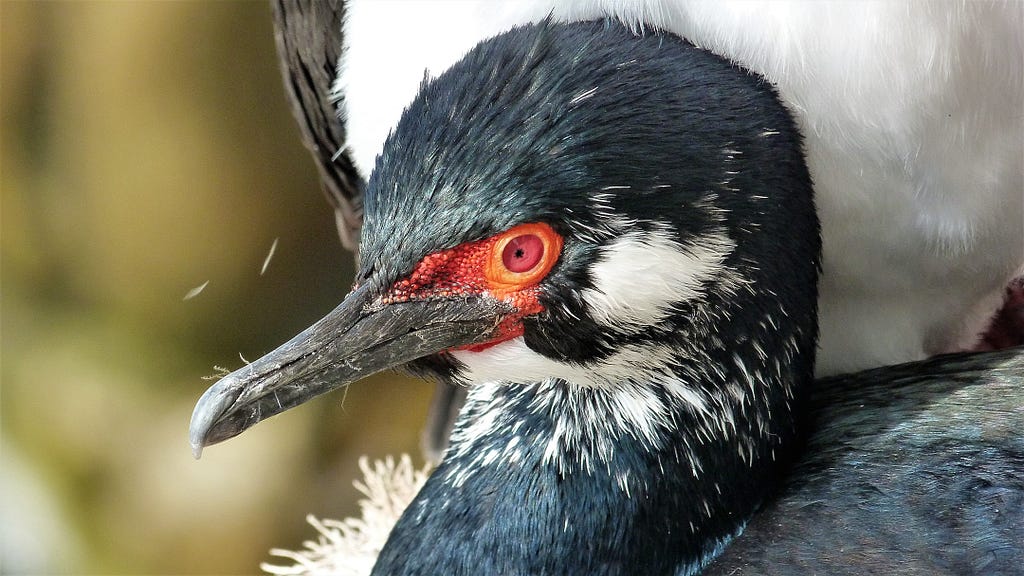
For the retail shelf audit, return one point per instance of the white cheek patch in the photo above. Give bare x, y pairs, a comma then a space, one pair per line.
513, 362
509, 361
640, 275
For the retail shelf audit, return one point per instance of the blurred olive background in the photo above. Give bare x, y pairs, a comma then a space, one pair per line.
147, 148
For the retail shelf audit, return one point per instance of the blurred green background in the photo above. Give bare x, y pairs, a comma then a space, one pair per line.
147, 148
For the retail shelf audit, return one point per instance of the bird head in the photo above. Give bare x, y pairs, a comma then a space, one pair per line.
575, 204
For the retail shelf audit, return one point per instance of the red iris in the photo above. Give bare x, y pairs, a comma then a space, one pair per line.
522, 253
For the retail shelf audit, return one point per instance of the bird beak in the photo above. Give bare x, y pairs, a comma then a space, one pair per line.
358, 338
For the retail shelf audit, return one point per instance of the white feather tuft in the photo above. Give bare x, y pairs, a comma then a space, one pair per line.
350, 547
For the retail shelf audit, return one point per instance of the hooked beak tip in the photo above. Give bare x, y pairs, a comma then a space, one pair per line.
213, 404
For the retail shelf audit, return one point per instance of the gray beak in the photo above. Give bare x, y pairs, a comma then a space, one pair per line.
357, 339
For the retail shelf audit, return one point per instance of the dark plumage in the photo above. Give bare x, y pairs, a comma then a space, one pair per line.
308, 38
915, 469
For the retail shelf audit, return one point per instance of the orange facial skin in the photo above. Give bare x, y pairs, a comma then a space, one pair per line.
508, 266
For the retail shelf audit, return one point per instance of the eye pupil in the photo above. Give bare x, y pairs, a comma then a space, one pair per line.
522, 253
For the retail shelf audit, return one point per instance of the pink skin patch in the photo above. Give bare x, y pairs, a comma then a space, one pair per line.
461, 271
1007, 327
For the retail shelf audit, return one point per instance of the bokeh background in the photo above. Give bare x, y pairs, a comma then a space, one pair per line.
146, 148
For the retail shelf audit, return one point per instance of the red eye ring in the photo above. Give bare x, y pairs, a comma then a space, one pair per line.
521, 257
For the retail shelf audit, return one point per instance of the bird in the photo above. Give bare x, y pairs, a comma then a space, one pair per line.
913, 133
611, 241
910, 113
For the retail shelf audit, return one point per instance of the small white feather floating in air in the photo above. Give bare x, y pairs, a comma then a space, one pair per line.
350, 547
266, 261
195, 291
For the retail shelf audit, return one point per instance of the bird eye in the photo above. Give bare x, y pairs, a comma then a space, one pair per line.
522, 256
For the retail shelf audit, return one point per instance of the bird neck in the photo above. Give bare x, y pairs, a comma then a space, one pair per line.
553, 477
